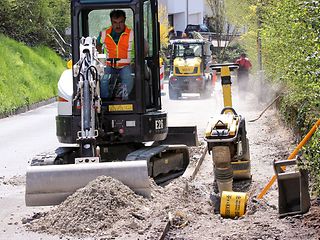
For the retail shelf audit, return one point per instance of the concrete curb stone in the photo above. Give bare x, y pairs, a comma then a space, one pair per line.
28, 108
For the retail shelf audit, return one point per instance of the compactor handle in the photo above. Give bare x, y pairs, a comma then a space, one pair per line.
218, 66
229, 109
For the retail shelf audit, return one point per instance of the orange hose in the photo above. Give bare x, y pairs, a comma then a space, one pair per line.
292, 155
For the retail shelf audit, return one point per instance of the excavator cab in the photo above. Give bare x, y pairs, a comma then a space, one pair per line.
122, 137
129, 119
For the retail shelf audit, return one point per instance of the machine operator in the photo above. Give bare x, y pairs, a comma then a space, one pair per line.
117, 41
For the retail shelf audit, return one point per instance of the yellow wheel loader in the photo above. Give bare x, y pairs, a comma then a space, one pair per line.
123, 137
189, 59
226, 137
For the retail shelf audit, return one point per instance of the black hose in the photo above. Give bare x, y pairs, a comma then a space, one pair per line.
253, 120
86, 106
93, 71
86, 97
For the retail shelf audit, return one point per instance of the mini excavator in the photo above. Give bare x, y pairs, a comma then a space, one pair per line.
125, 138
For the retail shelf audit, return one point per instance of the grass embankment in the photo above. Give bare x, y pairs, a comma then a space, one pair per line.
27, 75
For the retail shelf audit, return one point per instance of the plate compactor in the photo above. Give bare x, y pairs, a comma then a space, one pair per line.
226, 138
122, 135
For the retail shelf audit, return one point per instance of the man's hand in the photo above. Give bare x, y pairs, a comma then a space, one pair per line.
132, 66
99, 47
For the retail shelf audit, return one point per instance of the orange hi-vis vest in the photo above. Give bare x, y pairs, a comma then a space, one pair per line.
123, 50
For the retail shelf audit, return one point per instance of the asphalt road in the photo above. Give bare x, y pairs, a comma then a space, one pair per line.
21, 137
191, 110
24, 135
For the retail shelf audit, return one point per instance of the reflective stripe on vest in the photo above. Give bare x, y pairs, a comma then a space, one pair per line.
123, 50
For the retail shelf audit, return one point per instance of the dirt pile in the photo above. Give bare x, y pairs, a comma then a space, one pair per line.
312, 218
106, 208
197, 152
13, 181
92, 209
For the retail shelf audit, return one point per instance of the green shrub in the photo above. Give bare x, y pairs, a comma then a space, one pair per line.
291, 52
311, 162
300, 107
291, 43
31, 21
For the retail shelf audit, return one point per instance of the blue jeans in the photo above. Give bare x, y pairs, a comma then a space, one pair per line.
125, 80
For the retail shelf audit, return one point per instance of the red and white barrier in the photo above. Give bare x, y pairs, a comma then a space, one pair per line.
161, 76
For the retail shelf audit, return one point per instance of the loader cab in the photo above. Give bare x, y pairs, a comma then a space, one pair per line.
90, 17
189, 49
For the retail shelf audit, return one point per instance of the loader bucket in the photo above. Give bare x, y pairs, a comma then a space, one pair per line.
186, 135
52, 184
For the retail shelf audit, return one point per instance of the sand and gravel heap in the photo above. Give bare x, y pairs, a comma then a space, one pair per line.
13, 181
92, 209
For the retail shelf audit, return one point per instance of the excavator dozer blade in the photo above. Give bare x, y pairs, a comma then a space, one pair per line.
186, 135
52, 184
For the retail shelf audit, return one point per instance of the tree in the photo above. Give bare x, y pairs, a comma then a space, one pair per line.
244, 18
31, 21
164, 28
217, 21
224, 30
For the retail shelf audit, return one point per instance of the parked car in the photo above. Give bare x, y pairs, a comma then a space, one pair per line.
196, 28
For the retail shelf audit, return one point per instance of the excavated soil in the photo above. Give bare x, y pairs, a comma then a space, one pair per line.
186, 208
13, 181
312, 218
